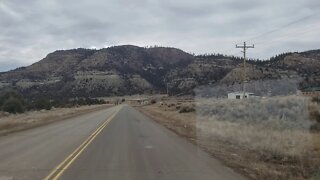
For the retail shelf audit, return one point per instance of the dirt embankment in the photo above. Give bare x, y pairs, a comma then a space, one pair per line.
262, 139
10, 123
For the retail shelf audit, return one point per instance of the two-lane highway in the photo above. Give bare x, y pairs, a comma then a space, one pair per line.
117, 143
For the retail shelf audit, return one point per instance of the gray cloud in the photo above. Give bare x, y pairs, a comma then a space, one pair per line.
32, 29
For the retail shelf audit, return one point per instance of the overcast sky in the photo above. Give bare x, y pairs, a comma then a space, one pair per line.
32, 29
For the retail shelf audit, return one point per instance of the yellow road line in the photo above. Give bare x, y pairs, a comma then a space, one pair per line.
59, 170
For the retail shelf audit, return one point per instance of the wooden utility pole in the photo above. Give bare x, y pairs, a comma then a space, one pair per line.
244, 47
167, 85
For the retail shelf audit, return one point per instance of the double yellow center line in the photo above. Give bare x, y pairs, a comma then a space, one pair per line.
62, 167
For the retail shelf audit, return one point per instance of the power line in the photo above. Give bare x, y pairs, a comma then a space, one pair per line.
276, 30
282, 27
287, 35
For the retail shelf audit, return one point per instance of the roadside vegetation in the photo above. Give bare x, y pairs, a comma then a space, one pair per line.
10, 123
272, 138
13, 102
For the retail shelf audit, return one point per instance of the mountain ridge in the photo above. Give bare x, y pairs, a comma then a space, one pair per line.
128, 69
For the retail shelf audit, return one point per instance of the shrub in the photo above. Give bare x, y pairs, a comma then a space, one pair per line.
186, 109
314, 114
42, 104
288, 112
13, 105
317, 117
316, 99
153, 101
315, 127
89, 101
6, 95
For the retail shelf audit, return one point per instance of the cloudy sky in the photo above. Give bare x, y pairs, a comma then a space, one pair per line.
31, 29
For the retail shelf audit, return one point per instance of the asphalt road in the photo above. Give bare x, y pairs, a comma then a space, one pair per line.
118, 143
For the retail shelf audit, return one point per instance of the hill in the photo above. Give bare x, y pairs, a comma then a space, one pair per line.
125, 70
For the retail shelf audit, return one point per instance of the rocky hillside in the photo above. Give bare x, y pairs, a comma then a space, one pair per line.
305, 64
132, 70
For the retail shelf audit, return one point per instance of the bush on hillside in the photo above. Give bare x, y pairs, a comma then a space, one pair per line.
13, 105
42, 104
316, 99
6, 95
13, 102
153, 101
90, 101
77, 102
186, 109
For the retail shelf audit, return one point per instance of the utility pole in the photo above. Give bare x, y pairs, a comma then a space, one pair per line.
244, 47
167, 85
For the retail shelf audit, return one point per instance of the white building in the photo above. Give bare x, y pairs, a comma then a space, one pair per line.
241, 95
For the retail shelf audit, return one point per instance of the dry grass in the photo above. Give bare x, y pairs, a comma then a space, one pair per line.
184, 123
282, 143
263, 139
10, 123
278, 125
